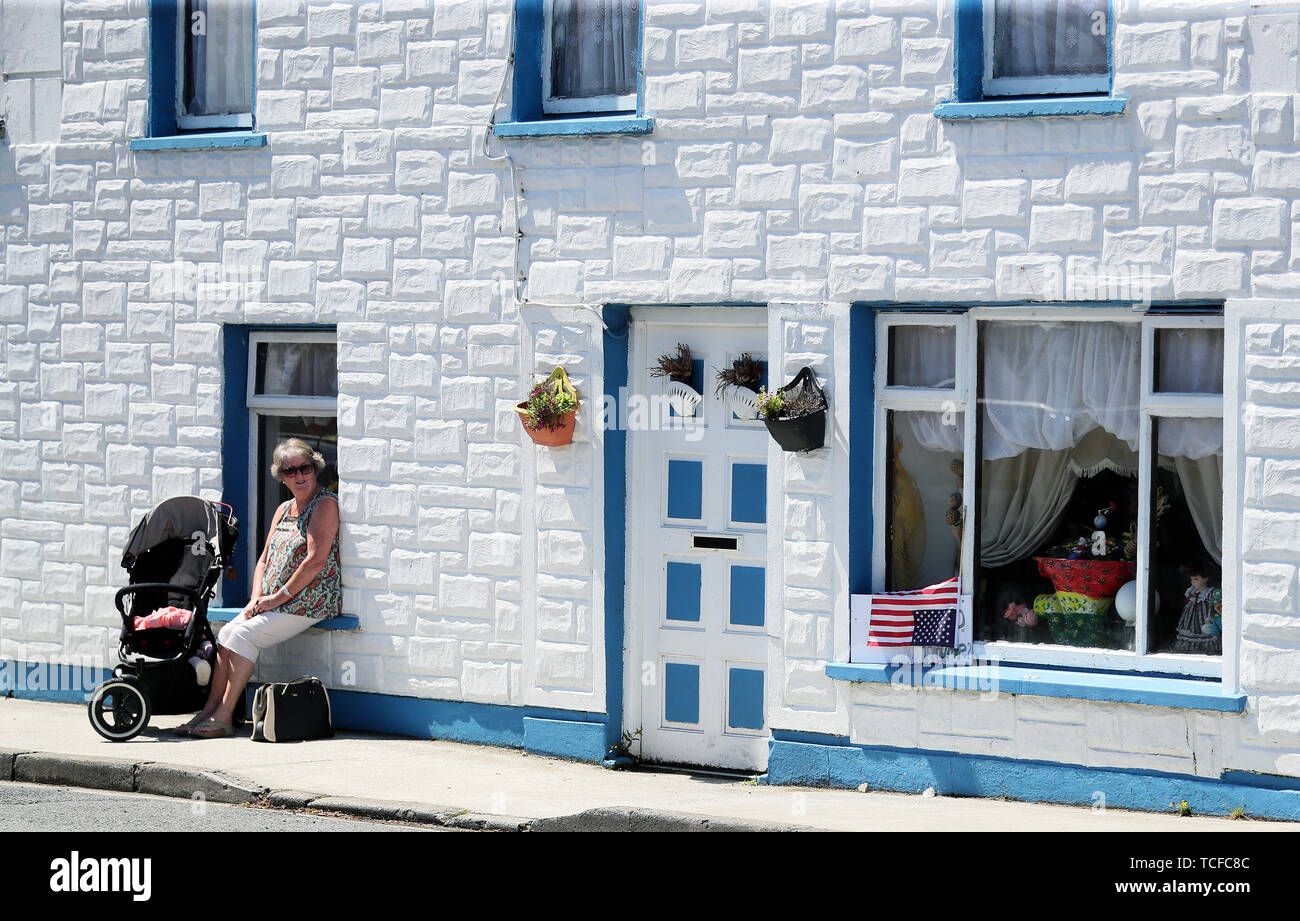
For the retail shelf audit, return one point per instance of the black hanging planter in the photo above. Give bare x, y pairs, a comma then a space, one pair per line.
806, 431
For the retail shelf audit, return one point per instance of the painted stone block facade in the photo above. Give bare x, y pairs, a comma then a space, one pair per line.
795, 162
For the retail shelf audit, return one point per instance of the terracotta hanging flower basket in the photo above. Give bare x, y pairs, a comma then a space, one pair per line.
549, 415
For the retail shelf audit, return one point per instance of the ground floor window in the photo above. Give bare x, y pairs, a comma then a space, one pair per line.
1082, 503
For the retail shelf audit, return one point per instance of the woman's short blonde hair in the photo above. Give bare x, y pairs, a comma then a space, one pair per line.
295, 446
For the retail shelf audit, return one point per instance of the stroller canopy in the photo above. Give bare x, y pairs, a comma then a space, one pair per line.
182, 517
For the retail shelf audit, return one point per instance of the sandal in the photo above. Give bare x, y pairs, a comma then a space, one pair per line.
212, 729
185, 729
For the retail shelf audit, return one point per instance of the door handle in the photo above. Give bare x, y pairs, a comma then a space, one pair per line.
714, 542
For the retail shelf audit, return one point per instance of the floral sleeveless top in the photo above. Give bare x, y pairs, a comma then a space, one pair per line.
287, 548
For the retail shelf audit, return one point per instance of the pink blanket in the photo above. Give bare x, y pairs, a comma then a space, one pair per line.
172, 617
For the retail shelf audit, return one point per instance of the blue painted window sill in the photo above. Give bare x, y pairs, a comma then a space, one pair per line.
342, 622
1183, 693
205, 141
598, 126
1033, 108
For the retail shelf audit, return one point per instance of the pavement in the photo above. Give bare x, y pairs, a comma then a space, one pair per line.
499, 789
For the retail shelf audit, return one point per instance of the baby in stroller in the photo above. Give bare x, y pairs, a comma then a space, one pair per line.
173, 559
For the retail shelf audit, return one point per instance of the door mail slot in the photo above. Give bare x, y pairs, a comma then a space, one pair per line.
714, 542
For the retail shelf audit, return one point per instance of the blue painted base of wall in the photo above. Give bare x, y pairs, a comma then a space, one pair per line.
565, 738
563, 733
580, 736
912, 771
64, 684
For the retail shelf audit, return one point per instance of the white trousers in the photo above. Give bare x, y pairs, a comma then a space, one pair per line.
248, 637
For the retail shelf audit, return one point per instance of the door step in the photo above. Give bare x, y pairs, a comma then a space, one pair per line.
654, 767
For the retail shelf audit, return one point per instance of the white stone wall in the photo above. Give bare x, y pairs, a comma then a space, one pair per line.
1090, 733
31, 59
795, 161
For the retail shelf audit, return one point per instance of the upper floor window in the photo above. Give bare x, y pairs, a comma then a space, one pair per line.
201, 75
1031, 58
590, 55
214, 62
577, 69
1039, 47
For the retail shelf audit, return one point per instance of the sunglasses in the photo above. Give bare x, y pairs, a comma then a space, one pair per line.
287, 472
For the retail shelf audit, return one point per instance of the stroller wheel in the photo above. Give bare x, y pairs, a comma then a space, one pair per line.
119, 709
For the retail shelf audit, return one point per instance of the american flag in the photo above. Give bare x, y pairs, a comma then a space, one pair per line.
921, 617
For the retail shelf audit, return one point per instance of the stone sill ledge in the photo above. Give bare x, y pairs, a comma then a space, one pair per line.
1182, 693
342, 622
598, 126
1047, 106
211, 140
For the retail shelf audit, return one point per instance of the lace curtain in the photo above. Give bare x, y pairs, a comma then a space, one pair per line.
1202, 482
220, 65
1035, 38
300, 369
594, 47
1061, 401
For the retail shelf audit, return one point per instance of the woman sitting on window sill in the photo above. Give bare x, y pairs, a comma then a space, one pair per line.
297, 583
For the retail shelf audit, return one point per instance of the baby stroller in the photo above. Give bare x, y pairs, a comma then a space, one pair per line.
174, 558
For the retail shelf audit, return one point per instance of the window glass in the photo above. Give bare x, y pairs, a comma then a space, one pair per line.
1189, 360
217, 58
1058, 491
922, 356
1049, 38
1187, 538
594, 48
298, 369
321, 432
1063, 478
924, 508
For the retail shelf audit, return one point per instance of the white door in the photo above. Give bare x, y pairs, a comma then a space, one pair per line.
697, 585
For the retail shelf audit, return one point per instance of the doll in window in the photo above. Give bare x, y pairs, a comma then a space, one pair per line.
1200, 628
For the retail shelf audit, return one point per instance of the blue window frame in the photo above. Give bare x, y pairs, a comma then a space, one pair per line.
980, 91
532, 79
172, 76
280, 382
1178, 379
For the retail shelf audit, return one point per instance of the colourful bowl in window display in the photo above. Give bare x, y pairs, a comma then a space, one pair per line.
1094, 578
1075, 619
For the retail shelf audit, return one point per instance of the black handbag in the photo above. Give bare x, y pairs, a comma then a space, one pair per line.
292, 711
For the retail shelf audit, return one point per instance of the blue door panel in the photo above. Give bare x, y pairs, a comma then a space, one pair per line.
682, 693
683, 592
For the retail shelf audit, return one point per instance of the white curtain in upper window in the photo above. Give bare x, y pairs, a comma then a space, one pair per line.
300, 369
923, 356
1062, 401
1190, 360
1048, 385
1041, 38
594, 47
220, 66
